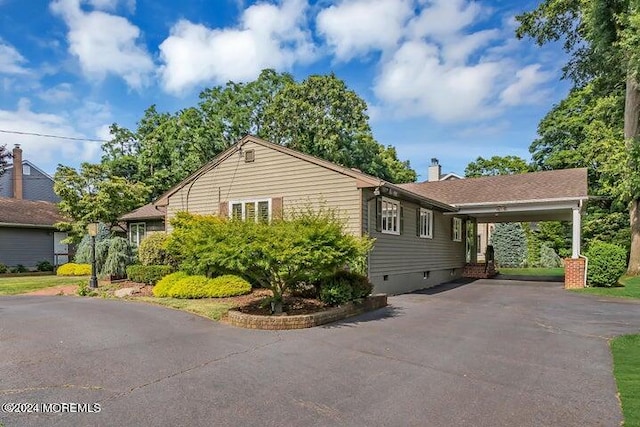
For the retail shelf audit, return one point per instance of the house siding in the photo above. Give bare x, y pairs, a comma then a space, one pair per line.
405, 258
300, 183
25, 246
36, 186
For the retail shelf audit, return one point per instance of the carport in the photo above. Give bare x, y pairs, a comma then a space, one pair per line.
557, 195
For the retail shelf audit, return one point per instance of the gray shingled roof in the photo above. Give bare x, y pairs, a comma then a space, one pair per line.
148, 211
546, 185
28, 212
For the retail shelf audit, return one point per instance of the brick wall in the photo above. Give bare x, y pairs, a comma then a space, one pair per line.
479, 270
574, 271
252, 321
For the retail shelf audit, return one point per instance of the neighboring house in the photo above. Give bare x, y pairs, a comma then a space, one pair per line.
424, 234
28, 215
144, 220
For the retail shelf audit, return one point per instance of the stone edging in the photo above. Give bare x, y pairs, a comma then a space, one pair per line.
253, 321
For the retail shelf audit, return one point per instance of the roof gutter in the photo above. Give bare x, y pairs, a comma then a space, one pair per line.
18, 225
522, 202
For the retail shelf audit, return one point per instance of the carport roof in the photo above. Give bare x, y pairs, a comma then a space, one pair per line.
563, 184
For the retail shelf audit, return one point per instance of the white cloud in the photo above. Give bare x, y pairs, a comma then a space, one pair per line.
105, 44
46, 152
57, 94
416, 82
11, 61
442, 18
525, 89
268, 36
112, 5
356, 27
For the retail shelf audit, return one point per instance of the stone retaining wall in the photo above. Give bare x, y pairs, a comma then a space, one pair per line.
253, 321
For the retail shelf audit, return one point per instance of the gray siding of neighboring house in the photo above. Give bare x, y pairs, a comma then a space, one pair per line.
26, 246
36, 186
406, 258
300, 184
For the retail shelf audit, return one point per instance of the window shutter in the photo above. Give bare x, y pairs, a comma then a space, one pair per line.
401, 219
223, 210
418, 223
277, 208
378, 214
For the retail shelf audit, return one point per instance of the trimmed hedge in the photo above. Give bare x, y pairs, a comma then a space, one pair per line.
152, 250
180, 285
344, 286
161, 289
607, 262
148, 274
73, 269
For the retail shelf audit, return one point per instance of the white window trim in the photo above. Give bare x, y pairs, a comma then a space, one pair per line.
397, 203
243, 202
429, 214
137, 239
457, 229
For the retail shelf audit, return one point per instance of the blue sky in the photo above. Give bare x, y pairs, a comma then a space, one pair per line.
443, 78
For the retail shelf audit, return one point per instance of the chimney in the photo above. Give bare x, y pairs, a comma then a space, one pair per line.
17, 172
434, 170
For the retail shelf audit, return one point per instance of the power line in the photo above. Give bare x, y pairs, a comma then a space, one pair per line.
44, 135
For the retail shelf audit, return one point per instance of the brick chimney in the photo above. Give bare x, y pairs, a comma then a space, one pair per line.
435, 170
17, 172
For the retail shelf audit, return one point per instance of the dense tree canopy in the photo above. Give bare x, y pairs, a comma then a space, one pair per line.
496, 165
598, 124
4, 157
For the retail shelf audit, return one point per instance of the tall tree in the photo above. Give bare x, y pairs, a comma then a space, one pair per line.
496, 165
603, 39
93, 195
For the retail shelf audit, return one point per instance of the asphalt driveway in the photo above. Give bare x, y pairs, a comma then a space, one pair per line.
488, 353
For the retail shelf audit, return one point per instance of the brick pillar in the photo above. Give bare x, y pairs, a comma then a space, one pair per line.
574, 273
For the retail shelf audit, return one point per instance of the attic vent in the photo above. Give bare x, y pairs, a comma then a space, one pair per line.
249, 156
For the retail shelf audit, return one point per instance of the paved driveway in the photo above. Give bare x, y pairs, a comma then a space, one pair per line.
489, 353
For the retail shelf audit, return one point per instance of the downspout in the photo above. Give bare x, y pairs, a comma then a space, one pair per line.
586, 265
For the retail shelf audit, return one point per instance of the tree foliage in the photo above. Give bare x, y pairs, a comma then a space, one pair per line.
4, 159
600, 119
496, 165
94, 195
319, 116
510, 244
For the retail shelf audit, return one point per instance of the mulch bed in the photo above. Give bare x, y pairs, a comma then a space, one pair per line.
292, 306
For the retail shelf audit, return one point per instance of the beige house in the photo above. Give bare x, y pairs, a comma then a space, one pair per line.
421, 240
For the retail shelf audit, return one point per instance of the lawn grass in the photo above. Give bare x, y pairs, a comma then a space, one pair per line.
626, 369
630, 288
207, 307
532, 271
20, 285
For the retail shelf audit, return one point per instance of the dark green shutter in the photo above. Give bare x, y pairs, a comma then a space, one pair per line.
401, 219
418, 224
378, 214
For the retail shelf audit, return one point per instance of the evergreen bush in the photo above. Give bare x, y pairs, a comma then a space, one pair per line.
119, 256
152, 250
164, 285
509, 242
607, 262
73, 269
148, 274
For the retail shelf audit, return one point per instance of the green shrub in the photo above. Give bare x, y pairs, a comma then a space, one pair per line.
228, 286
344, 286
203, 287
607, 262
549, 258
44, 266
19, 269
152, 250
73, 269
307, 246
190, 287
149, 274
3, 268
119, 256
83, 252
164, 285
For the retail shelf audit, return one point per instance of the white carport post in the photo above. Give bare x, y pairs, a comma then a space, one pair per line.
577, 224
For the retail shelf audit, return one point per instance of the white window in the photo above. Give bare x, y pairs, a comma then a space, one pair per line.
390, 216
137, 231
26, 170
426, 223
256, 210
457, 230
